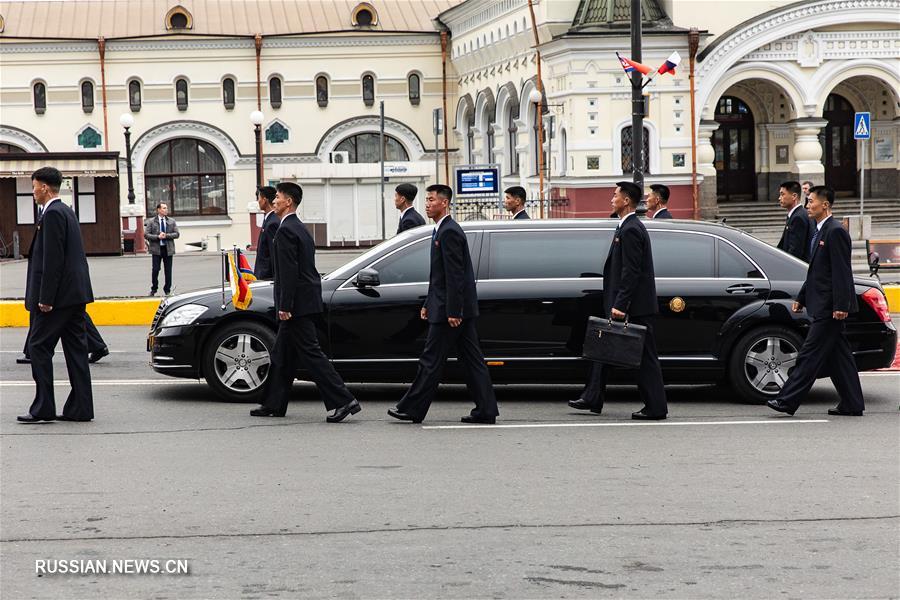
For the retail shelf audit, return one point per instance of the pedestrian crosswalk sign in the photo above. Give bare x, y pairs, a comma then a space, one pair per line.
862, 126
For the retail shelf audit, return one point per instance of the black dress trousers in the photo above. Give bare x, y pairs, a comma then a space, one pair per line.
66, 324
440, 341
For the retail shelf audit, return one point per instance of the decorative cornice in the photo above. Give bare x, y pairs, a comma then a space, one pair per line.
45, 47
812, 48
465, 17
367, 123
21, 138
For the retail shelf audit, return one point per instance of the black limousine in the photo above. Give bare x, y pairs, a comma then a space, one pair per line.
724, 311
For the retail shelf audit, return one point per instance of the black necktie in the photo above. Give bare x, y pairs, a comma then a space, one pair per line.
812, 244
162, 225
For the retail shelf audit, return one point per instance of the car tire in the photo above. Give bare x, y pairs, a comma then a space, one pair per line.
762, 361
236, 360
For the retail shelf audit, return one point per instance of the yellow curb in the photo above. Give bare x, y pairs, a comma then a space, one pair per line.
893, 297
114, 311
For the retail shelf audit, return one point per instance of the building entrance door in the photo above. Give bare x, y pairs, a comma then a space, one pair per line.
839, 146
734, 146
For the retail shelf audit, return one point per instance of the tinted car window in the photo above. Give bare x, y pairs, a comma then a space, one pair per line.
682, 254
548, 254
408, 265
733, 264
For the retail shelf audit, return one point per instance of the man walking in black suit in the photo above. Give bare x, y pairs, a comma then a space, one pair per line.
404, 195
629, 292
514, 202
657, 200
298, 301
57, 289
798, 228
263, 269
161, 233
829, 296
451, 309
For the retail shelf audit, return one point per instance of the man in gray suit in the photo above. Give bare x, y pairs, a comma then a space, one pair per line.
161, 233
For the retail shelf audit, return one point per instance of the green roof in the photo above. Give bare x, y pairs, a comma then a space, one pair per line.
616, 14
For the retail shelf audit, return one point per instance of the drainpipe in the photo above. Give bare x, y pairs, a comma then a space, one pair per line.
693, 46
446, 117
258, 41
101, 46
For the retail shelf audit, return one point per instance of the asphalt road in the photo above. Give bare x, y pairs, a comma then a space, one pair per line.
721, 501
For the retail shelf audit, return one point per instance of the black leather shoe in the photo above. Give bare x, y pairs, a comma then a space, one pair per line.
837, 412
402, 416
642, 416
23, 360
95, 356
72, 419
262, 411
582, 404
152, 293
781, 407
351, 408
478, 420
31, 419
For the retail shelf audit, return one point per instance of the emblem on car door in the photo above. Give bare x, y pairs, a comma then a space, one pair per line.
676, 304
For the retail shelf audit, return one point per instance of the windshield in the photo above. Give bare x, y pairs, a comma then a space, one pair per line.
348, 270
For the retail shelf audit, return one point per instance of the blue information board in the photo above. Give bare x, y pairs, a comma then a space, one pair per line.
477, 180
862, 126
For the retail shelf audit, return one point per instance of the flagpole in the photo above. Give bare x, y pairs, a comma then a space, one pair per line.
222, 253
637, 106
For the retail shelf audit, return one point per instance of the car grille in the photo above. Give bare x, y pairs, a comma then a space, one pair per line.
159, 312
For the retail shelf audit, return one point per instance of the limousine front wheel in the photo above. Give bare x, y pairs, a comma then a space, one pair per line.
236, 361
762, 362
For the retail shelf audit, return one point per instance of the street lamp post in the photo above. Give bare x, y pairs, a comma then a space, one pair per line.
257, 118
126, 121
536, 97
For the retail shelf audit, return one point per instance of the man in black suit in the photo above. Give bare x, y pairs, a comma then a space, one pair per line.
451, 309
404, 195
263, 268
657, 200
798, 228
829, 296
57, 289
629, 291
97, 348
298, 302
514, 202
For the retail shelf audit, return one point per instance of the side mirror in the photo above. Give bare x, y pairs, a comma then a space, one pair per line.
367, 278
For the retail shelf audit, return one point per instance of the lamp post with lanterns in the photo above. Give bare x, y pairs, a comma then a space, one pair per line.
536, 98
127, 121
257, 118
132, 212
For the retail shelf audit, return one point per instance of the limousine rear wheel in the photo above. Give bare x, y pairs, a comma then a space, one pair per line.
762, 361
236, 360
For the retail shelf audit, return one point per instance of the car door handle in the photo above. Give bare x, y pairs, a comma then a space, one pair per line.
740, 288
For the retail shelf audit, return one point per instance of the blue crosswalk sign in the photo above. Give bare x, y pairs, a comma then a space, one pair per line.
862, 126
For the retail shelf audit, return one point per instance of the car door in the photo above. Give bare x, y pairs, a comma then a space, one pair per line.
536, 289
702, 281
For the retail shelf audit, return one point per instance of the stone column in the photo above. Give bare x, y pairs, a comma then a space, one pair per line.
808, 150
706, 157
762, 166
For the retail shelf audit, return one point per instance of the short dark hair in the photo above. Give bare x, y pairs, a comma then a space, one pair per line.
517, 191
823, 192
662, 191
52, 177
809, 182
441, 190
159, 204
289, 188
631, 190
792, 187
267, 191
407, 190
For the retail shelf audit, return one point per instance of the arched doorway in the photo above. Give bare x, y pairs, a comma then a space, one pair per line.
839, 147
734, 145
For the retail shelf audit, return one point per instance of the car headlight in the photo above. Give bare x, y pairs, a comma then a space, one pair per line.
183, 315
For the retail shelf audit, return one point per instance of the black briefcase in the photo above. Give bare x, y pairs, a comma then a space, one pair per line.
617, 343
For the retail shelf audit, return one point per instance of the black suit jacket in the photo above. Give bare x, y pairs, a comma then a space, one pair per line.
629, 284
58, 272
409, 220
798, 231
298, 286
451, 282
662, 213
521, 215
263, 269
829, 278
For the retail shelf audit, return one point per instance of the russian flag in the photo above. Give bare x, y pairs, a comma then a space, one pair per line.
670, 64
630, 65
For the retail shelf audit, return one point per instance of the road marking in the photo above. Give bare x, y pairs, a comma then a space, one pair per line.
781, 421
108, 382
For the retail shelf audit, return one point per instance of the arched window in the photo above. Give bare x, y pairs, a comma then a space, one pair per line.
363, 148
322, 90
134, 95
364, 15
10, 148
275, 92
87, 96
628, 149
188, 175
181, 94
228, 92
40, 98
414, 91
368, 90
512, 136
